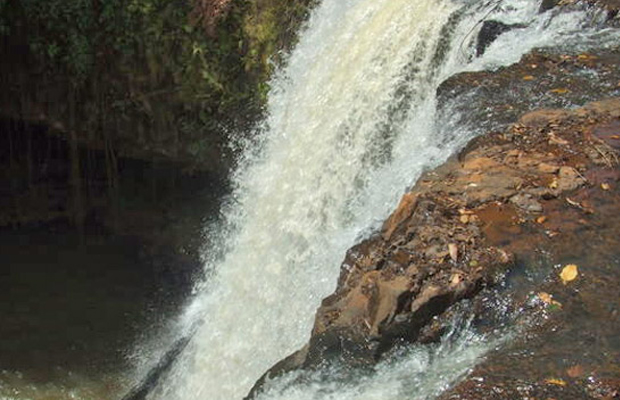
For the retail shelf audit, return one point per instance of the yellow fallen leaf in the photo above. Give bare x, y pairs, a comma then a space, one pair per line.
464, 219
548, 299
545, 297
528, 78
553, 184
569, 273
554, 381
559, 91
605, 186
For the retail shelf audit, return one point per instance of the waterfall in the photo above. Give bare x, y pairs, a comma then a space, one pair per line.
350, 125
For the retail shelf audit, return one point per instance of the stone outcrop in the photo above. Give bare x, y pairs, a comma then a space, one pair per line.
565, 353
461, 226
490, 31
542, 79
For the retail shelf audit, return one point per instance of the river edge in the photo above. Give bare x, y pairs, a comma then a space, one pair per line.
530, 190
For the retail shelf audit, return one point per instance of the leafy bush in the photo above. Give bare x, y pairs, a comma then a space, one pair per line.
141, 71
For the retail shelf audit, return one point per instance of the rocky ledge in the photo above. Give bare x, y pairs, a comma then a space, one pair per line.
532, 186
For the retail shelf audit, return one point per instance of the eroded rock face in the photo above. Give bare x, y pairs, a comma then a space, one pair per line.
460, 227
393, 284
569, 353
490, 31
543, 79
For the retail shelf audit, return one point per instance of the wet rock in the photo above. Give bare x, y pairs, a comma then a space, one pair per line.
403, 211
490, 31
526, 202
290, 363
540, 118
542, 80
580, 222
611, 7
547, 5
569, 179
456, 231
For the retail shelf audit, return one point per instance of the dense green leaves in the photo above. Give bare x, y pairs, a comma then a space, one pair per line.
142, 68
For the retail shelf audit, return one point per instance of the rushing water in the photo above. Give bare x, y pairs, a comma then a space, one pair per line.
351, 123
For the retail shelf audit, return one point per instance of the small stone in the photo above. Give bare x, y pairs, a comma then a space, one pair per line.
548, 168
525, 202
569, 179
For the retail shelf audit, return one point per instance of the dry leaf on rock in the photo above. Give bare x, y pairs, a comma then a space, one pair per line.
557, 140
573, 203
554, 184
454, 251
575, 371
569, 273
548, 299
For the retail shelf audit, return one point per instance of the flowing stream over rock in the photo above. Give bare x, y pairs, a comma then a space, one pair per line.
351, 124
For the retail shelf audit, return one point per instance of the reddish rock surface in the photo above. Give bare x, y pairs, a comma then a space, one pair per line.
569, 350
541, 186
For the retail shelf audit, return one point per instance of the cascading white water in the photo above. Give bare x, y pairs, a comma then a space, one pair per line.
350, 125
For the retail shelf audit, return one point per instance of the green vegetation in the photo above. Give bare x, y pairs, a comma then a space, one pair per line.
143, 76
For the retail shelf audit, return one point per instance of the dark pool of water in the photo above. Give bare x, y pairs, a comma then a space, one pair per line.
73, 309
